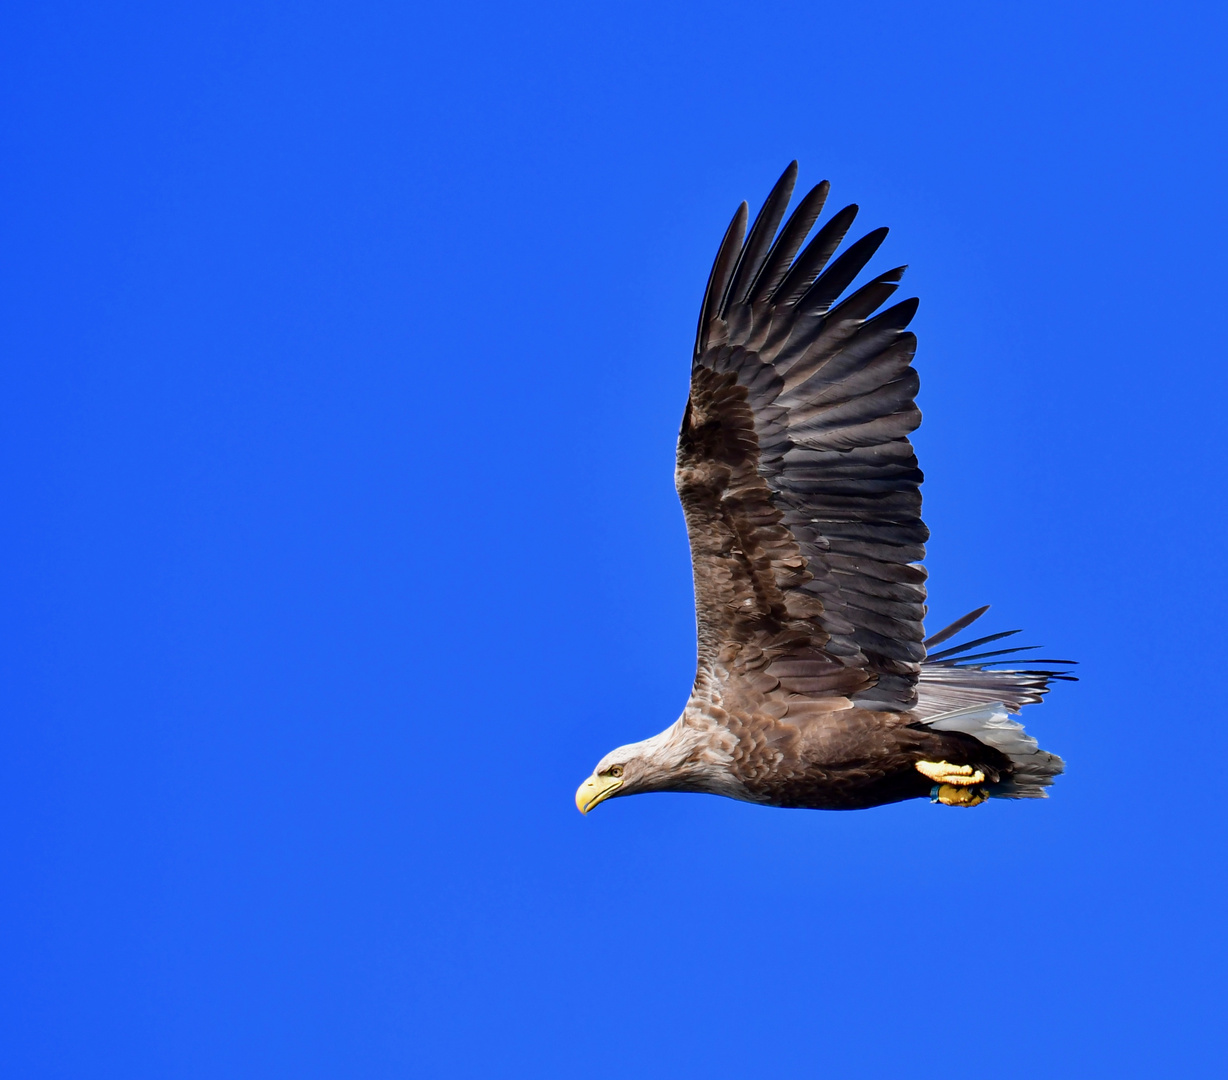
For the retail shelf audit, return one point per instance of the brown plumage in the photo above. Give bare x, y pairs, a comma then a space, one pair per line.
802, 500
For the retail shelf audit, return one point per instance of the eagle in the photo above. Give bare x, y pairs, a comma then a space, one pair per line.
815, 685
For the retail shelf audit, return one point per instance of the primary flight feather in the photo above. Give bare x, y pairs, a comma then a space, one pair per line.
801, 492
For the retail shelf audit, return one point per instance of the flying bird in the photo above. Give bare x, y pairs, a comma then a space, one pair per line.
815, 685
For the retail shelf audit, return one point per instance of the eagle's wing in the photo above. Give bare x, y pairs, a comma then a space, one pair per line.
799, 484
960, 678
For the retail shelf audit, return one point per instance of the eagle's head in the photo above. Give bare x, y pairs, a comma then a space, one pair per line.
675, 760
608, 779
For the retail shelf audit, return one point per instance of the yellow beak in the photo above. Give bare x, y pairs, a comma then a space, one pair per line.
596, 789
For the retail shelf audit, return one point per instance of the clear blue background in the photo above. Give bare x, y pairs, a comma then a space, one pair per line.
344, 346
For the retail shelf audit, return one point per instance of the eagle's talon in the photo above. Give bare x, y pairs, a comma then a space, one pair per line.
943, 772
950, 795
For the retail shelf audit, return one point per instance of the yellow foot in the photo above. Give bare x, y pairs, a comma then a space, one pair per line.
950, 795
943, 772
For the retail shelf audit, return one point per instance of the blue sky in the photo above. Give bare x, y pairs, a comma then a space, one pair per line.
344, 347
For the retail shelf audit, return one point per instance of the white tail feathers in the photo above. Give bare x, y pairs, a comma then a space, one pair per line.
993, 725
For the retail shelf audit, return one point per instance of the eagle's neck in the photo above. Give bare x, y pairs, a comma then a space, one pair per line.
692, 754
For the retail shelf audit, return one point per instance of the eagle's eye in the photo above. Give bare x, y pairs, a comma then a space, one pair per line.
617, 770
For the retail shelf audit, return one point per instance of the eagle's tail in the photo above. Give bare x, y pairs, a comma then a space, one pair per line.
958, 690
992, 725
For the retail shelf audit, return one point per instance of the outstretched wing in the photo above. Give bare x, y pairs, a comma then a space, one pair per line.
799, 484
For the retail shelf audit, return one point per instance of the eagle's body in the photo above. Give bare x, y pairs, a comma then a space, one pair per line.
802, 502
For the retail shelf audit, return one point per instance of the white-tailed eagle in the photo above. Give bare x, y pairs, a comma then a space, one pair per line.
814, 686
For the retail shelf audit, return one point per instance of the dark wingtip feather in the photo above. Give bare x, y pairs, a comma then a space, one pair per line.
791, 237
970, 645
758, 243
812, 260
1012, 651
1030, 659
955, 627
718, 280
906, 309
828, 286
860, 304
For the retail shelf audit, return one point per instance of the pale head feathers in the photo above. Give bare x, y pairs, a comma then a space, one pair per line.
686, 756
